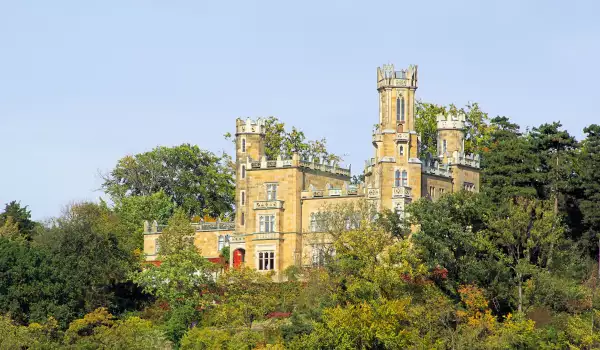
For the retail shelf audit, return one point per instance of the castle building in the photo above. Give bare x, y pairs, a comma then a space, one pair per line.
277, 199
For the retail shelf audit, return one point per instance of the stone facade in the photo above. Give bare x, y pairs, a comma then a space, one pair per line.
275, 198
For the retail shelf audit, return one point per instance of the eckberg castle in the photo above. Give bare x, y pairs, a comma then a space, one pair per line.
277, 199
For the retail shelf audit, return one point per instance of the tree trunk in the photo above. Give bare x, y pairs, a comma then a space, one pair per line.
520, 292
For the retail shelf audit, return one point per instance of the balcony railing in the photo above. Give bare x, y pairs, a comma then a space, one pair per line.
402, 136
335, 192
373, 193
401, 192
214, 226
200, 226
377, 138
237, 239
266, 235
325, 167
276, 204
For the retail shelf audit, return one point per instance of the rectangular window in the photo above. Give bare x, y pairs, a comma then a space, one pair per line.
243, 197
156, 246
444, 147
266, 223
271, 192
266, 261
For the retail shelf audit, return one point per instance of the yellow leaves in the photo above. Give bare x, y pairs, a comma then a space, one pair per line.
85, 326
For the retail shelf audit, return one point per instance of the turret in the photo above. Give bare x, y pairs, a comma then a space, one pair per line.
250, 139
450, 135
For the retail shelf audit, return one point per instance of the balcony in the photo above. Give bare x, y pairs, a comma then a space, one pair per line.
335, 192
267, 236
401, 192
260, 205
402, 137
373, 193
237, 239
377, 138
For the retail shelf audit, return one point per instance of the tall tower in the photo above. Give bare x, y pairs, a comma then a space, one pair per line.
249, 145
394, 175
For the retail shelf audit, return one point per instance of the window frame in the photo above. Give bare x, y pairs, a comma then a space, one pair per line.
266, 260
271, 190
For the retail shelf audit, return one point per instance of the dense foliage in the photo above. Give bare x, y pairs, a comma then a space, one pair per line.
514, 266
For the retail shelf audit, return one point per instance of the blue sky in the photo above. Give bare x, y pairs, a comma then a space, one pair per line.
83, 83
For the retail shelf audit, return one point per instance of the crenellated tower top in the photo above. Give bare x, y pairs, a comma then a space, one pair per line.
250, 126
455, 121
389, 77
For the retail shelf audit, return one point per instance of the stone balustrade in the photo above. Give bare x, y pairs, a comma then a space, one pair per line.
334, 169
402, 137
469, 160
296, 162
377, 138
333, 192
437, 169
401, 192
267, 235
274, 204
237, 239
373, 193
200, 226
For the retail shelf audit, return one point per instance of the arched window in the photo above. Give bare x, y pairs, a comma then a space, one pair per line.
243, 145
444, 147
401, 150
243, 199
243, 171
404, 178
243, 220
400, 109
313, 222
397, 179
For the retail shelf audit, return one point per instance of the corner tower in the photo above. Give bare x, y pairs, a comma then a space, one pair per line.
249, 143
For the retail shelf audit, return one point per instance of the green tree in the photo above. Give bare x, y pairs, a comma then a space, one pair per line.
91, 256
590, 182
198, 181
509, 163
134, 210
556, 150
184, 274
246, 296
426, 125
526, 236
20, 216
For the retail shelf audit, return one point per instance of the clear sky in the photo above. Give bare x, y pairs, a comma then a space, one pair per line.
83, 83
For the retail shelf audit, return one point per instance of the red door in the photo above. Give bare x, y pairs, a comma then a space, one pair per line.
238, 257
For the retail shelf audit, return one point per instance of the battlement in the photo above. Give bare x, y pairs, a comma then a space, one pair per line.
351, 190
154, 228
295, 161
452, 121
434, 167
250, 126
469, 160
388, 77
